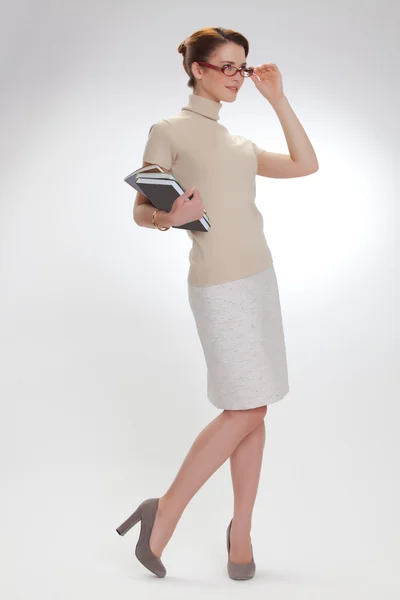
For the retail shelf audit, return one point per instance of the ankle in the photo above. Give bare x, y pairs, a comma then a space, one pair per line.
169, 509
241, 526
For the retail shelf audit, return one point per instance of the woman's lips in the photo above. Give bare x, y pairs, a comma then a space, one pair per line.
228, 88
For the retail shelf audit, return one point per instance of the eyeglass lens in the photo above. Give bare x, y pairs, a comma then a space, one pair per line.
230, 70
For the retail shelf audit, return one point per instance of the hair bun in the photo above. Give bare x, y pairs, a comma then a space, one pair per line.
183, 46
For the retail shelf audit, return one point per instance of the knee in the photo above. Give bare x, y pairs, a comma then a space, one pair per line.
250, 416
258, 414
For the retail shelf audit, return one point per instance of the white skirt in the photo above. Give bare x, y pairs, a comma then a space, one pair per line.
241, 331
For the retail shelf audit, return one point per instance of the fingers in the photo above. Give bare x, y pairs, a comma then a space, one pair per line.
267, 68
187, 193
193, 192
195, 197
194, 210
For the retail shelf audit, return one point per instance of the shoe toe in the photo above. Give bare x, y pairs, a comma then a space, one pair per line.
241, 571
151, 561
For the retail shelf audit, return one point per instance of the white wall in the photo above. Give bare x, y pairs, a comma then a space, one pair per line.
103, 382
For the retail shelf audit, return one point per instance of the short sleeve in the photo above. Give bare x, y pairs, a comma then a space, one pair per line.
257, 149
159, 147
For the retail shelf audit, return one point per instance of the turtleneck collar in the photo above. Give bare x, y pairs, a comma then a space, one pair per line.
203, 106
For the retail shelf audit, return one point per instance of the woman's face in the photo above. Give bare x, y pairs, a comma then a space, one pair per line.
214, 84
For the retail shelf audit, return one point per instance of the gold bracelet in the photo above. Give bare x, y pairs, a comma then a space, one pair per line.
153, 220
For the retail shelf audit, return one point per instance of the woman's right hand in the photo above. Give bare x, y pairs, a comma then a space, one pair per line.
184, 210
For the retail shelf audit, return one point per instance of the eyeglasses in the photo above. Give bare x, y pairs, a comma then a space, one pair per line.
229, 70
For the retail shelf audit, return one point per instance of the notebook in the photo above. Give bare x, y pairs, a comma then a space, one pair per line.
162, 189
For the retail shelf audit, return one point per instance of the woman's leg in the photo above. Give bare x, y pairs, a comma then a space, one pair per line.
245, 461
212, 447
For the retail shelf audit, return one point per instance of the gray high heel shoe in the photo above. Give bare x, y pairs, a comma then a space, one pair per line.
239, 570
146, 514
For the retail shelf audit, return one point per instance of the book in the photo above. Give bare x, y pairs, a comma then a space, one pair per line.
161, 188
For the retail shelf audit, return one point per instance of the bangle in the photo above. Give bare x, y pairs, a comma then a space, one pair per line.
153, 220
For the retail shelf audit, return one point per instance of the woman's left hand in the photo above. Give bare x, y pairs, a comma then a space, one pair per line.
268, 80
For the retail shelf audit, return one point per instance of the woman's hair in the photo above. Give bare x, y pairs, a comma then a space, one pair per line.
202, 44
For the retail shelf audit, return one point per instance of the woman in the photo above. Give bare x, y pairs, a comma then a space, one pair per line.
232, 286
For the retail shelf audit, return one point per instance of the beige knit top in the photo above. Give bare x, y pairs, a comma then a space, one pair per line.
200, 152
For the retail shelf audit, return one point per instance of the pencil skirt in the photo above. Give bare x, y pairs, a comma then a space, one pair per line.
240, 328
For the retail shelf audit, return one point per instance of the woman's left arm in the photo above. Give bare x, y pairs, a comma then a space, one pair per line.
301, 159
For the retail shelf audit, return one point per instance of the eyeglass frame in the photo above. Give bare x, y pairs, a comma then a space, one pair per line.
200, 62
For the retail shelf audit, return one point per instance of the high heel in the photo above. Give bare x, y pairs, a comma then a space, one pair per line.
146, 514
239, 570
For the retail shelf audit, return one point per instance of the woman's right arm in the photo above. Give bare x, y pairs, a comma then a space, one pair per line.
143, 211
183, 210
